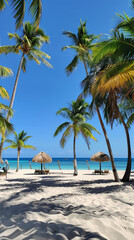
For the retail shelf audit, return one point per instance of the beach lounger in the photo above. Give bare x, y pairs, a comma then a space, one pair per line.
98, 171
37, 171
106, 171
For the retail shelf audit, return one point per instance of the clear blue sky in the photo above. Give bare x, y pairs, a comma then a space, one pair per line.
42, 91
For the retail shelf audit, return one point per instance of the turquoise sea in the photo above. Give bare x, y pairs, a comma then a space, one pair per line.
67, 164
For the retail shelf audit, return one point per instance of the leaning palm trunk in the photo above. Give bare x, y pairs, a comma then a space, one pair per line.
108, 146
15, 85
18, 157
128, 168
116, 178
75, 161
12, 100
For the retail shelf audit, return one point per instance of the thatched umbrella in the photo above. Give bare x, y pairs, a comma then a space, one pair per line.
100, 157
42, 158
1, 161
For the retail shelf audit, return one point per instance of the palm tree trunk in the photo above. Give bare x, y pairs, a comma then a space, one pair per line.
116, 178
128, 168
75, 161
12, 100
18, 157
85, 67
15, 84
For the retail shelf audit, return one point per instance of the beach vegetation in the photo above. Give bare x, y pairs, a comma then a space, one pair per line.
83, 44
77, 113
19, 143
29, 45
19, 7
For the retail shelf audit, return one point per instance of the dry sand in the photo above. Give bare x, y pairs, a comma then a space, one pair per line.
60, 206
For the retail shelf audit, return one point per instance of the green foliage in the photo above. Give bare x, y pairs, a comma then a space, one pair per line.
19, 141
35, 8
82, 44
5, 72
78, 113
29, 44
2, 4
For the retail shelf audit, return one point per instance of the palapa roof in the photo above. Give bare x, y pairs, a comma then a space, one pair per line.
100, 157
42, 157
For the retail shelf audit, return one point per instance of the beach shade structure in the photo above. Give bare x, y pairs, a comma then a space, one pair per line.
42, 158
1, 161
100, 157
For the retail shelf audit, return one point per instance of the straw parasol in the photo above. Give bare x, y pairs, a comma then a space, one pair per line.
100, 157
42, 158
1, 161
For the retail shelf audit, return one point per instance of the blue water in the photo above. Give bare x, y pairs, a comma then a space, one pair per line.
67, 163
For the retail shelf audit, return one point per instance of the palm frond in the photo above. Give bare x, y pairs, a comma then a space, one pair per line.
123, 47
5, 72
29, 147
10, 141
36, 10
113, 77
11, 146
130, 120
23, 67
72, 66
66, 135
25, 138
61, 127
2, 4
19, 11
3, 93
72, 36
65, 112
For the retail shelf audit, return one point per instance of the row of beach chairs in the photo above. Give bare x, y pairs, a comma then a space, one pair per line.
101, 172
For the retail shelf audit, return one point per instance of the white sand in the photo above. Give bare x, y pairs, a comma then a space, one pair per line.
60, 206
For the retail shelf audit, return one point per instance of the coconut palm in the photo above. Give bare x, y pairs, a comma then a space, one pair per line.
97, 103
77, 113
28, 45
18, 144
118, 75
83, 44
18, 6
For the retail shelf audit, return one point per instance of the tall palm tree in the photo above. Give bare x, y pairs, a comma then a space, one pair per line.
28, 45
77, 113
18, 7
18, 144
117, 75
82, 44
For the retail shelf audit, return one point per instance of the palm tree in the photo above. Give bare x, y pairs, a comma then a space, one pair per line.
117, 75
18, 144
29, 45
77, 113
82, 44
18, 7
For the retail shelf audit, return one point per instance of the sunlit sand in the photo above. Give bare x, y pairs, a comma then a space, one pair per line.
61, 206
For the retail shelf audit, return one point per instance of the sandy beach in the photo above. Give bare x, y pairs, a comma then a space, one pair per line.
60, 206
